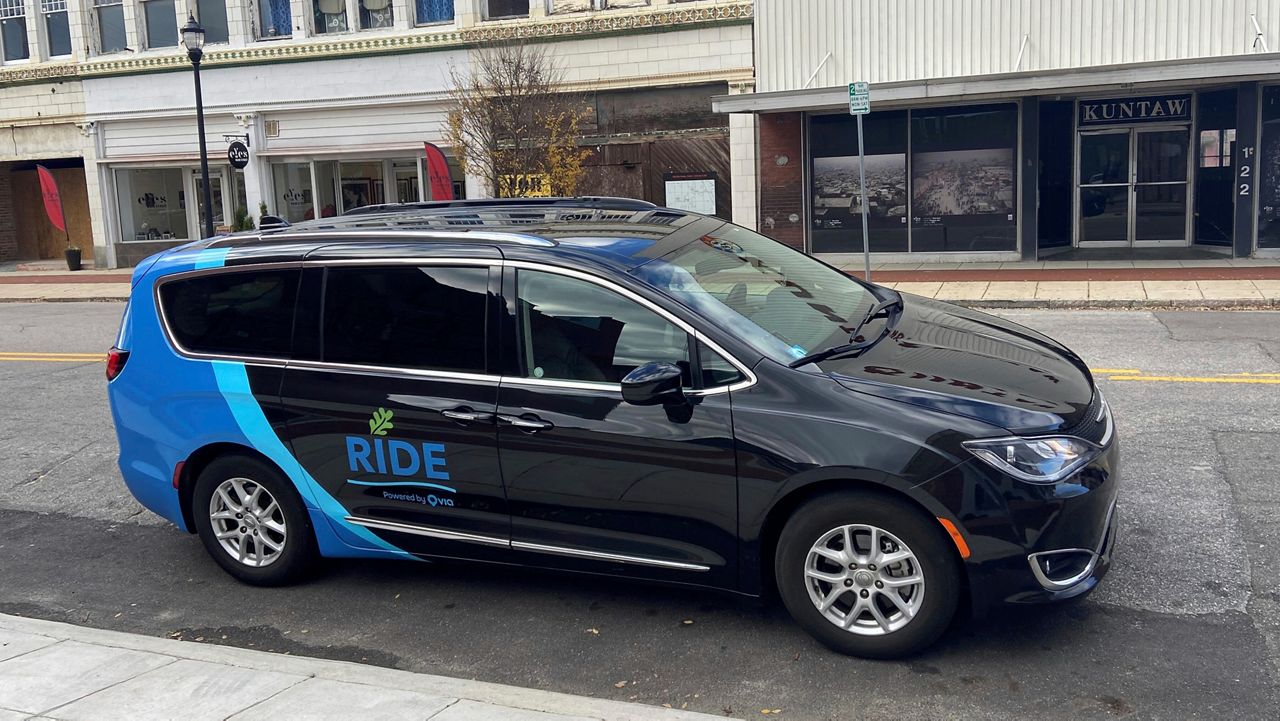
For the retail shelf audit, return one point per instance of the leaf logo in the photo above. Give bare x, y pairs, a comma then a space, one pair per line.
381, 422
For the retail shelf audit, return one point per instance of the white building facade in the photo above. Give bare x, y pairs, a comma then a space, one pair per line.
335, 99
1012, 129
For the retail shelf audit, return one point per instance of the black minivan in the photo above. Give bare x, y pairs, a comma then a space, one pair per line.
605, 386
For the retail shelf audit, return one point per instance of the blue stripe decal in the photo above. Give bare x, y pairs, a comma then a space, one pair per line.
211, 258
419, 484
233, 383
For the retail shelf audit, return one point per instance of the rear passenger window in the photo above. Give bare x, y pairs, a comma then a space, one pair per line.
242, 314
406, 317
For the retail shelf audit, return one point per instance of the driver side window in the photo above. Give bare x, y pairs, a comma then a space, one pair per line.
574, 330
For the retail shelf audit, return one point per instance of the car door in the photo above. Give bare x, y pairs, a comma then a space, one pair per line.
391, 403
603, 485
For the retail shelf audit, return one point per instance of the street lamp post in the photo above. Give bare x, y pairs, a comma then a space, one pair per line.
193, 41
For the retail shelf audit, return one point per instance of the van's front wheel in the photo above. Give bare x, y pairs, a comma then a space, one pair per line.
867, 575
252, 521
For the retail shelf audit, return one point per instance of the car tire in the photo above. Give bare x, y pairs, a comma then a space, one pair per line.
272, 546
810, 565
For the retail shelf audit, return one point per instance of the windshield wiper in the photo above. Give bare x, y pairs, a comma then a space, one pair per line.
884, 307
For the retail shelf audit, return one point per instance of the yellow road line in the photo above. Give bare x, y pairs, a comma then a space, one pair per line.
1197, 379
1126, 371
40, 354
39, 359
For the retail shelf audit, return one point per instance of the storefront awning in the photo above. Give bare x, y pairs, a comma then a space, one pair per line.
1125, 79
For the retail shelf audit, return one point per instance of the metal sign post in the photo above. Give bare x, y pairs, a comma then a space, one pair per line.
859, 105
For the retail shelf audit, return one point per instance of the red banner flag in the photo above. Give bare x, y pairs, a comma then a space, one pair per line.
52, 201
438, 174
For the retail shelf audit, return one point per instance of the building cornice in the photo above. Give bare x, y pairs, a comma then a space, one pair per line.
554, 29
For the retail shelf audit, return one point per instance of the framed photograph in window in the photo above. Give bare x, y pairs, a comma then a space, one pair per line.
356, 193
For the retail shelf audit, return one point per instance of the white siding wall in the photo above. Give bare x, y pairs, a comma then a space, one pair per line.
901, 40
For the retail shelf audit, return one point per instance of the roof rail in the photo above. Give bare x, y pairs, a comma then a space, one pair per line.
594, 202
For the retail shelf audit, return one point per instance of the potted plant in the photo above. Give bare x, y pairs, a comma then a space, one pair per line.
72, 254
241, 220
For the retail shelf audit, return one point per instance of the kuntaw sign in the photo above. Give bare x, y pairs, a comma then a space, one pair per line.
1149, 109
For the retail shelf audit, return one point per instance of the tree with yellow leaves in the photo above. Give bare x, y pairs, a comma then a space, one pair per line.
510, 125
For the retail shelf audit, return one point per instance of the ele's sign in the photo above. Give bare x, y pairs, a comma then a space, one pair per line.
1125, 111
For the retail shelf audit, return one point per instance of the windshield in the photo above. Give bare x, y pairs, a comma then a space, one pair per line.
780, 300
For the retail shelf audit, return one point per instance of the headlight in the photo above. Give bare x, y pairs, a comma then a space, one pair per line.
1035, 460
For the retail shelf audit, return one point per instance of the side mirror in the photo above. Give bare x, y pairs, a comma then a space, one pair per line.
653, 384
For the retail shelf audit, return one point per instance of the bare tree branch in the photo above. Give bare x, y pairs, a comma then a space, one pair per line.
507, 119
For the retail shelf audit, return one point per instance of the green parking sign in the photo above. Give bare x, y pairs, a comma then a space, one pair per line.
859, 98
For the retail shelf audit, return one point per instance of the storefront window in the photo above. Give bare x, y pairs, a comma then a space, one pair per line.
836, 211
361, 185
962, 178
331, 16
327, 188
292, 196
152, 204
406, 174
1269, 170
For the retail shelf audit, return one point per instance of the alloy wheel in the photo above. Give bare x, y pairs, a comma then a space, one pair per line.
864, 580
247, 522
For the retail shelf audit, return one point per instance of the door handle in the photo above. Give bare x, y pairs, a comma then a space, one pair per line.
525, 424
466, 415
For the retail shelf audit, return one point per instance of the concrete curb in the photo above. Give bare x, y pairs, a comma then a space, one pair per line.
481, 691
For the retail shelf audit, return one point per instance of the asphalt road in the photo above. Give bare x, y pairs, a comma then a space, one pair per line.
1186, 625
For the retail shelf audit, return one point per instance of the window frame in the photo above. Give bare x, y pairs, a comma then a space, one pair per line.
486, 16
493, 274
176, 345
498, 338
97, 6
45, 35
511, 340
146, 25
26, 32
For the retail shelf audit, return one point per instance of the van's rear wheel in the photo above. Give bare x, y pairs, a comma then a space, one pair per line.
867, 575
252, 521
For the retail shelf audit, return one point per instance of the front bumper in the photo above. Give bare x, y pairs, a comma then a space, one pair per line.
1033, 543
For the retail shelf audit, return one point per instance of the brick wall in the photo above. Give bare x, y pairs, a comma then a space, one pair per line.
8, 229
781, 178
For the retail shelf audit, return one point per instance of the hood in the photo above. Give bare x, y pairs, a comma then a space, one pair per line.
959, 361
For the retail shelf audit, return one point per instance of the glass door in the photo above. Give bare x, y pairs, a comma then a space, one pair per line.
1104, 188
1132, 187
220, 220
1160, 186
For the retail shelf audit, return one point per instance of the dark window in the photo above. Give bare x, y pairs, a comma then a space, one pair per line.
162, 23
837, 197
249, 314
407, 317
212, 15
572, 329
716, 369
506, 8
111, 28
962, 178
1268, 171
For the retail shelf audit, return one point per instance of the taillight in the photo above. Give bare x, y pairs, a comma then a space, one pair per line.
115, 362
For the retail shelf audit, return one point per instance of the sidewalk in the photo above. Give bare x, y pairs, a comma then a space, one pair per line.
1244, 283
54, 670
